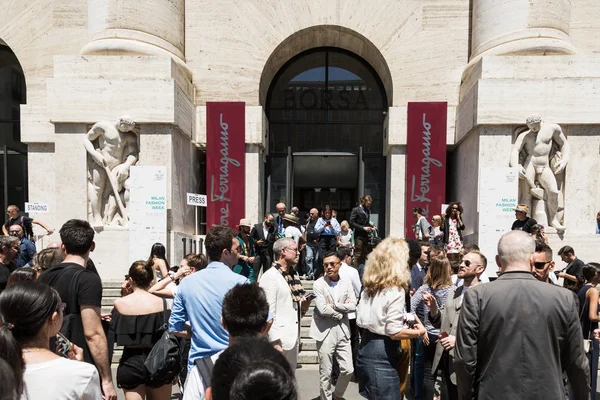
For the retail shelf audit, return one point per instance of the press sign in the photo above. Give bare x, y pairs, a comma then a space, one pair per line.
198, 200
36, 208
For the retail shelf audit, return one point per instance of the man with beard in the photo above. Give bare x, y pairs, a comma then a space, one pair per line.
446, 319
360, 222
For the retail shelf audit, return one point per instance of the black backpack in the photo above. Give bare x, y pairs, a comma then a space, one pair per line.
164, 362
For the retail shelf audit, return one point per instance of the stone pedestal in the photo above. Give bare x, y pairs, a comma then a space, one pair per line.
155, 92
496, 97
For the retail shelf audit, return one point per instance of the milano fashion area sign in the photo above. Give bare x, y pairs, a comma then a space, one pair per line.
425, 160
225, 163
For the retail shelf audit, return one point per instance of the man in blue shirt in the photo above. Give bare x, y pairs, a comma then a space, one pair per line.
199, 297
27, 247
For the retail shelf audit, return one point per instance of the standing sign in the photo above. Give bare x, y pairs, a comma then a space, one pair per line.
225, 163
425, 160
36, 208
498, 194
147, 210
198, 200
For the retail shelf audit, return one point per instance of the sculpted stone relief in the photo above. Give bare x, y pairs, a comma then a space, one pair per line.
112, 148
541, 153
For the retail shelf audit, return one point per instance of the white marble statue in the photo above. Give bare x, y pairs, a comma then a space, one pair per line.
113, 148
541, 153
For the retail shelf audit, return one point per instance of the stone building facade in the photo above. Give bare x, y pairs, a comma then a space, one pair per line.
493, 62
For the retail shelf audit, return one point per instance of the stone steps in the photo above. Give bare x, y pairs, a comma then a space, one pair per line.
308, 347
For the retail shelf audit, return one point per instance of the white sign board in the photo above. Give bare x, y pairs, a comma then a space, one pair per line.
147, 210
36, 208
498, 196
198, 200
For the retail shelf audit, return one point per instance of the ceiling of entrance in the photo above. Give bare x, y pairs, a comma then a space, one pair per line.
326, 171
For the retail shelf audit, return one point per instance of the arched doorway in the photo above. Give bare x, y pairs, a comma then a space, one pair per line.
326, 109
13, 153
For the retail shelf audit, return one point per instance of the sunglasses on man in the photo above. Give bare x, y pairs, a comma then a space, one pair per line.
541, 264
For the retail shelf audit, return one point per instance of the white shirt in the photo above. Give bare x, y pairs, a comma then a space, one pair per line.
351, 274
293, 232
194, 385
265, 231
382, 314
61, 379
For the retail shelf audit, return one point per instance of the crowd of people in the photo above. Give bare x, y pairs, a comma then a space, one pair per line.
398, 315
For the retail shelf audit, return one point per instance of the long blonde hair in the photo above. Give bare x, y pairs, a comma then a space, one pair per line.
387, 266
438, 273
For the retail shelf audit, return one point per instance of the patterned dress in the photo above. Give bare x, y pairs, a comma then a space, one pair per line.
454, 241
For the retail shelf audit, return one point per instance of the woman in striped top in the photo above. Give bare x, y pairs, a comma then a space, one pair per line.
438, 283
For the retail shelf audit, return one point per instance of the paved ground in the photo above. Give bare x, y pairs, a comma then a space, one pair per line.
308, 385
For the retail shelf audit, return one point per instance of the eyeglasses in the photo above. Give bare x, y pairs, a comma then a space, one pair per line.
295, 250
61, 307
469, 263
455, 208
330, 264
14, 231
541, 264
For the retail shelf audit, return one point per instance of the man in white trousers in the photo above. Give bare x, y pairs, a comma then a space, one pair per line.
330, 327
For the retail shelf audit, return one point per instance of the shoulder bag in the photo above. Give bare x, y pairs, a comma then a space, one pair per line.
164, 362
587, 343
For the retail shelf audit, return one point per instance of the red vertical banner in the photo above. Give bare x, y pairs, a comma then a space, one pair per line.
225, 163
425, 160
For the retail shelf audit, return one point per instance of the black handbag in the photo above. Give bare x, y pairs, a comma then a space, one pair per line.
164, 362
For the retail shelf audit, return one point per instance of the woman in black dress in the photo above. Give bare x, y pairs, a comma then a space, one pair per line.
138, 321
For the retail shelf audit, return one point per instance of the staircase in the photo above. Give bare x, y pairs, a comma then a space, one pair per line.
111, 289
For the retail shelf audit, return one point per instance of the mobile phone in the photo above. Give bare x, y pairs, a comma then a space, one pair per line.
311, 296
63, 345
443, 335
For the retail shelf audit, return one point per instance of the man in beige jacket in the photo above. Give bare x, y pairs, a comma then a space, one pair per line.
330, 327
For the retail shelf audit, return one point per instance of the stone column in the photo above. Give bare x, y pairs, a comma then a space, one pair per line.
256, 134
143, 27
520, 27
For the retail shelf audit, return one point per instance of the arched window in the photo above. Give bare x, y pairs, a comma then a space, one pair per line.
326, 100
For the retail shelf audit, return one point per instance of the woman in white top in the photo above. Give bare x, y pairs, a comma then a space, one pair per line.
346, 236
381, 312
30, 315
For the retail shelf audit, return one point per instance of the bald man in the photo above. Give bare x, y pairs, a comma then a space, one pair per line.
312, 245
515, 330
279, 228
27, 247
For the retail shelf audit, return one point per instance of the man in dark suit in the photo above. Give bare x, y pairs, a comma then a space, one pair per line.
263, 235
446, 319
517, 334
360, 223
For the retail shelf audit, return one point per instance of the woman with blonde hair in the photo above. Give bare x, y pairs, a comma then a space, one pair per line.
382, 314
438, 283
346, 236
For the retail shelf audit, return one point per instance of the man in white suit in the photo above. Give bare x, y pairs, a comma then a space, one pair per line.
330, 327
285, 296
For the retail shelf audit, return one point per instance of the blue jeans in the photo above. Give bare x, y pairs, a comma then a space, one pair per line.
418, 369
377, 364
312, 259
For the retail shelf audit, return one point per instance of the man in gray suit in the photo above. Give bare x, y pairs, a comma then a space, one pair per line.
446, 319
516, 335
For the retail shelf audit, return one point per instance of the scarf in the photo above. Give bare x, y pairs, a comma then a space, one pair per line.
293, 280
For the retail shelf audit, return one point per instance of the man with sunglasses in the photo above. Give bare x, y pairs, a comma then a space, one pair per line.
27, 247
542, 262
330, 327
472, 266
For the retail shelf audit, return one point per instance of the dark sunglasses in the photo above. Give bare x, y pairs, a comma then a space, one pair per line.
541, 264
14, 231
330, 264
469, 263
